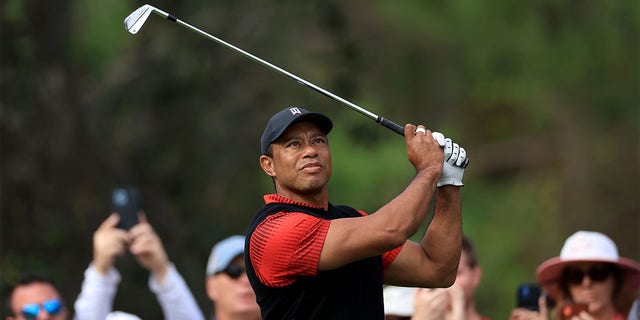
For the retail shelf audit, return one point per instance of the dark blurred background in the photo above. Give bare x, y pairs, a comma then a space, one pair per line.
544, 96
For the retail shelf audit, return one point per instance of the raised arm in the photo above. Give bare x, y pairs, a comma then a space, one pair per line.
175, 298
355, 238
434, 261
101, 279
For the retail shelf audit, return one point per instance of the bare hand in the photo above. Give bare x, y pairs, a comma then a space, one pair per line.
108, 243
583, 316
431, 304
525, 314
456, 295
423, 150
147, 247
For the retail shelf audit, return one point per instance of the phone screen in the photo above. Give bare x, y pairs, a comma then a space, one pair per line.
126, 202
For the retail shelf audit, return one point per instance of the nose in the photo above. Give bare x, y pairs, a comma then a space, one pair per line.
43, 315
244, 277
310, 150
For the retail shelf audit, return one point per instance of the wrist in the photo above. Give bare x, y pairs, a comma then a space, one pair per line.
160, 271
430, 175
102, 265
450, 183
451, 175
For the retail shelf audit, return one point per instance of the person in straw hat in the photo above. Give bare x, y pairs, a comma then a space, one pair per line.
588, 271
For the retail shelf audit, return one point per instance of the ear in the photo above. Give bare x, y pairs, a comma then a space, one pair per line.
477, 275
266, 163
210, 287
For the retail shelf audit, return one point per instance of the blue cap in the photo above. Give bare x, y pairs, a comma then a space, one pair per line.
280, 121
223, 252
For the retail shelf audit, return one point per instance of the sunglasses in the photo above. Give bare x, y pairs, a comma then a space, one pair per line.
52, 307
234, 271
596, 273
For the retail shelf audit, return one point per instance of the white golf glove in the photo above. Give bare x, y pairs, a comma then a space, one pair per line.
438, 137
454, 162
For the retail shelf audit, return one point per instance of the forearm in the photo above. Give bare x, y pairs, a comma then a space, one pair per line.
96, 298
407, 211
442, 240
174, 296
388, 228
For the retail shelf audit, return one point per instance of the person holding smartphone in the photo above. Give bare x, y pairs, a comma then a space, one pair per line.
588, 281
101, 279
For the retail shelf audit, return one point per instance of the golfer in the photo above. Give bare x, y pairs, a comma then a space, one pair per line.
309, 259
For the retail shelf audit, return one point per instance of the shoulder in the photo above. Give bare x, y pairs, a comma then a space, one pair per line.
285, 246
287, 219
285, 226
353, 212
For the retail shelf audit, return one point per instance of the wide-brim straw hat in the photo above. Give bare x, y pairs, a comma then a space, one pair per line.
588, 246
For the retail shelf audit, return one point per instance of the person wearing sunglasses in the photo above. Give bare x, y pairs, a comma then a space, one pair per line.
101, 278
589, 271
227, 284
36, 297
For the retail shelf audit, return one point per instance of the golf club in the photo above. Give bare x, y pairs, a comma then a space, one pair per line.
134, 22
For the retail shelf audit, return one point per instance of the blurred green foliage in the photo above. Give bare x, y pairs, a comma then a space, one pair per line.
543, 95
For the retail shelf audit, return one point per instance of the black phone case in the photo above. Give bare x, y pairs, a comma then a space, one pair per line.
126, 202
528, 295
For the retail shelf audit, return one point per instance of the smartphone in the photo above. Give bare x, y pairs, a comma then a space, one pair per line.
528, 295
571, 310
126, 202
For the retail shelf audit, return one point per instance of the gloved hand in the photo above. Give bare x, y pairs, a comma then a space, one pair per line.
454, 163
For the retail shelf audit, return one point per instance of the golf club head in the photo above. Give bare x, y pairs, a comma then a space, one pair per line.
133, 22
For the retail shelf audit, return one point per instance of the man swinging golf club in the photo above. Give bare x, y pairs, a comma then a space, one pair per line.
309, 259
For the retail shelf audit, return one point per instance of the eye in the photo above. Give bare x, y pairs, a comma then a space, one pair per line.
319, 140
293, 144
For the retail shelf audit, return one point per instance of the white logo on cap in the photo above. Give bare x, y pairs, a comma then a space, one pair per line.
295, 111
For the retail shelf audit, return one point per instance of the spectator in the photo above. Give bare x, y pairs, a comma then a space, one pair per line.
36, 297
309, 259
227, 284
589, 271
101, 279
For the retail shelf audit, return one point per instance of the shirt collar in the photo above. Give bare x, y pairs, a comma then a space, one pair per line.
271, 198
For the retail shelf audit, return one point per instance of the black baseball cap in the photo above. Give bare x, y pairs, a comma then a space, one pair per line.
280, 121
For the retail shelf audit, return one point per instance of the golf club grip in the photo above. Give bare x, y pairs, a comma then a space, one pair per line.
391, 125
400, 130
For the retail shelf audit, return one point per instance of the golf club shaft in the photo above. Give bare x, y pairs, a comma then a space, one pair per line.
380, 120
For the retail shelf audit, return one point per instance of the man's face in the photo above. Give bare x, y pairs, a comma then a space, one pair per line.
468, 278
233, 297
301, 162
36, 294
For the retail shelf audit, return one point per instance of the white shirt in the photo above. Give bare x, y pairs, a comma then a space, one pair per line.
95, 301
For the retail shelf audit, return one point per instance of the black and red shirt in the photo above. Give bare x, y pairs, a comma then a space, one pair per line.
284, 244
